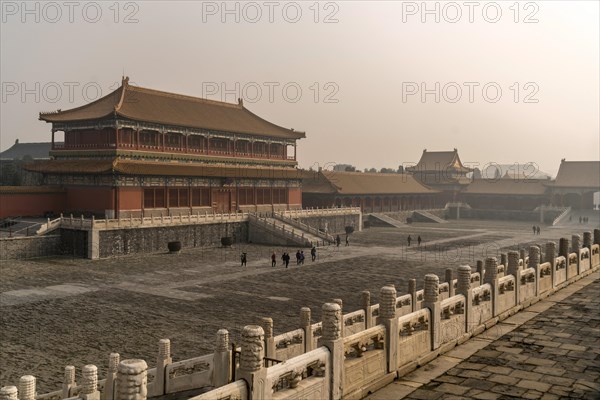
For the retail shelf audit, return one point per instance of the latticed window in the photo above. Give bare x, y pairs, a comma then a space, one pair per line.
154, 198
246, 196
179, 198
200, 197
263, 196
279, 196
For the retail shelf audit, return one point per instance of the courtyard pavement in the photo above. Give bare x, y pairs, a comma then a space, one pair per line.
63, 311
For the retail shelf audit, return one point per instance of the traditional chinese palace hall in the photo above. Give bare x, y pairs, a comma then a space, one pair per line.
140, 151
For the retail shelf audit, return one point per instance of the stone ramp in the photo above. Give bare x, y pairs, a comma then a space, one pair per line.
273, 231
302, 227
425, 216
387, 220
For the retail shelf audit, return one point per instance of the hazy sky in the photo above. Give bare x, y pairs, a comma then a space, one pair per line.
361, 68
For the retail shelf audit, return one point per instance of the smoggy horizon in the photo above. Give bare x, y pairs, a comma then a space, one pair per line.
372, 84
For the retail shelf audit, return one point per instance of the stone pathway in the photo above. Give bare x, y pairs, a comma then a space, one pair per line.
551, 350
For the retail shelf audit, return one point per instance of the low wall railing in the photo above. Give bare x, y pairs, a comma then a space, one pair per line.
343, 355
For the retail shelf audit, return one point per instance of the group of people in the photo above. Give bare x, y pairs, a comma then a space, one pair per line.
583, 220
338, 240
536, 230
409, 239
285, 258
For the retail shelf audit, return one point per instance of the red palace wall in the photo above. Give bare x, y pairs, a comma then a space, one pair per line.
295, 196
31, 204
130, 198
90, 199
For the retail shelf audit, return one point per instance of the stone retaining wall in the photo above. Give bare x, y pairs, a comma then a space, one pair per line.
29, 247
119, 242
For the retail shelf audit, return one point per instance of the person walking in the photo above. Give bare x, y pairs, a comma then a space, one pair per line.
408, 239
347, 242
298, 257
286, 259
273, 260
419, 240
243, 259
302, 257
534, 230
313, 253
538, 230
338, 240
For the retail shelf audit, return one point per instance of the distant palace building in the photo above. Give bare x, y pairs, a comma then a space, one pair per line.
507, 193
576, 183
372, 192
443, 171
140, 151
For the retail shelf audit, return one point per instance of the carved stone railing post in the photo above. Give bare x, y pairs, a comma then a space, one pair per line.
449, 279
251, 361
132, 380
481, 270
575, 247
267, 324
89, 384
432, 301
463, 286
551, 258
111, 377
9, 393
522, 255
366, 306
305, 324
503, 261
534, 262
222, 359
563, 248
68, 382
27, 387
412, 290
491, 277
340, 303
387, 315
162, 361
587, 240
515, 270
332, 339
596, 236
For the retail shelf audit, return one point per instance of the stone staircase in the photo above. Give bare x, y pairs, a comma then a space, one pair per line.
48, 227
309, 230
387, 220
270, 230
425, 216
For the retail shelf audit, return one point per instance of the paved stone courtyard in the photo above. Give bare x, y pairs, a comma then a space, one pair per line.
63, 311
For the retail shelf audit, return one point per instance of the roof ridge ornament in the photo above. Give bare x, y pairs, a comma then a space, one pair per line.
124, 86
